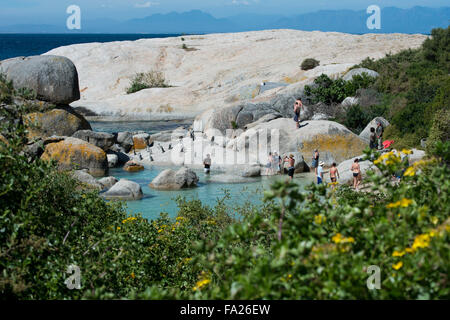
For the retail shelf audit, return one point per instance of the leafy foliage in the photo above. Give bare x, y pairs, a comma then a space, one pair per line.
421, 82
331, 91
315, 244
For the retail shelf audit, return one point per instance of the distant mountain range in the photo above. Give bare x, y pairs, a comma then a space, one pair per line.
413, 20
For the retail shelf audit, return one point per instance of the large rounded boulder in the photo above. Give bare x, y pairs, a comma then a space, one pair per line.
334, 141
171, 180
365, 134
62, 121
52, 78
73, 153
124, 190
102, 140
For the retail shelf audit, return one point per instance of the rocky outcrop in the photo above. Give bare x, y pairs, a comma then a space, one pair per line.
108, 182
345, 173
102, 140
62, 121
251, 171
86, 179
124, 190
171, 180
119, 152
140, 141
335, 142
52, 78
132, 166
125, 140
350, 101
227, 69
73, 153
365, 134
265, 118
299, 165
113, 160
359, 71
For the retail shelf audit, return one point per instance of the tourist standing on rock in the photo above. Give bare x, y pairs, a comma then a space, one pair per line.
356, 170
269, 168
334, 173
207, 164
291, 168
320, 172
373, 144
275, 163
379, 134
279, 162
297, 109
315, 160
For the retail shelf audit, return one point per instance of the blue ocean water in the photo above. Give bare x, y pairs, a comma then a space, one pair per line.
15, 45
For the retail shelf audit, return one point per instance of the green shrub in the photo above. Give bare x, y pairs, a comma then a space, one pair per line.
309, 64
152, 79
331, 91
440, 130
6, 90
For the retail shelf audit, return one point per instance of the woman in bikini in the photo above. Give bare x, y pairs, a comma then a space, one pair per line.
356, 173
334, 173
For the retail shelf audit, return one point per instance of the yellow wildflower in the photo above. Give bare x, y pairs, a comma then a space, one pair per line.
132, 275
319, 219
118, 228
200, 284
398, 253
402, 203
410, 172
337, 238
397, 266
421, 241
405, 151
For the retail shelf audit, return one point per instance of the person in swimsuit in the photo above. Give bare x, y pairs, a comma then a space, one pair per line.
334, 173
207, 164
291, 168
356, 170
297, 109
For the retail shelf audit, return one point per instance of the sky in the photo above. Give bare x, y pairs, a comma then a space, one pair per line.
54, 11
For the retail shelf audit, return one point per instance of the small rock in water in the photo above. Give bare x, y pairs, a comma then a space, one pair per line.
132, 166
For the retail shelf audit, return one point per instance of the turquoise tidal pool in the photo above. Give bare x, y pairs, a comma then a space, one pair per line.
208, 191
156, 201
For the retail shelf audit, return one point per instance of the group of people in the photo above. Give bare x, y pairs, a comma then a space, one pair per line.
275, 162
376, 137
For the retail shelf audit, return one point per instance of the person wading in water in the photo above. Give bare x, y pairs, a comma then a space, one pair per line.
291, 168
207, 164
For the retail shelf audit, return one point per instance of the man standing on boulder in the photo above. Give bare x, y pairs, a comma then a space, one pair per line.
297, 109
379, 134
